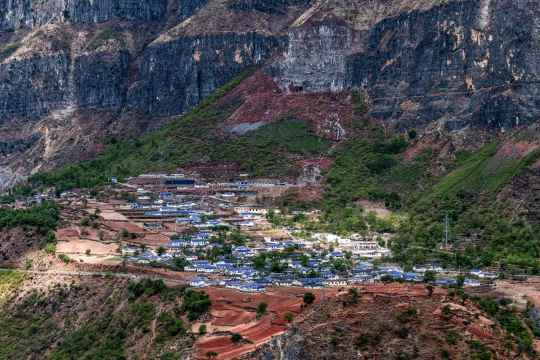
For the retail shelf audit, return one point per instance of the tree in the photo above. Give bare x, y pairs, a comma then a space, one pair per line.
429, 276
429, 290
353, 296
304, 260
460, 281
236, 338
202, 329
259, 261
179, 263
309, 298
288, 317
261, 309
85, 221
161, 250
211, 354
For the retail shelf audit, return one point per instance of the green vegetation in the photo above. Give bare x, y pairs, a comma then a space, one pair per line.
105, 338
195, 137
261, 309
43, 217
482, 172
66, 259
9, 280
195, 304
309, 298
146, 287
407, 315
169, 326
371, 166
104, 36
30, 329
236, 338
510, 320
289, 317
482, 227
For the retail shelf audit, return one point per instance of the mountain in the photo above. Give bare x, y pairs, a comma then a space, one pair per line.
47, 316
75, 73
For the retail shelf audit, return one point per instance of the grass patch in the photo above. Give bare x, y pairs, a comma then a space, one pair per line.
8, 50
104, 36
9, 280
44, 217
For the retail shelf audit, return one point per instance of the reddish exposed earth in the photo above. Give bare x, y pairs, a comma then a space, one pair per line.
265, 102
235, 312
406, 318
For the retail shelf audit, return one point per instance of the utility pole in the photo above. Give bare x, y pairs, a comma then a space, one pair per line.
446, 231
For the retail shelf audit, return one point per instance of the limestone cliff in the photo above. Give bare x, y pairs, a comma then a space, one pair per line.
116, 67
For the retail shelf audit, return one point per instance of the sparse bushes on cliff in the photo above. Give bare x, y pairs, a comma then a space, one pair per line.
195, 303
148, 287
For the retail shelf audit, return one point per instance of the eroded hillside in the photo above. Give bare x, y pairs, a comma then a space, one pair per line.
73, 74
69, 316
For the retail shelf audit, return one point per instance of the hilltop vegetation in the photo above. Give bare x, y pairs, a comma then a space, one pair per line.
43, 217
195, 137
96, 319
484, 230
371, 164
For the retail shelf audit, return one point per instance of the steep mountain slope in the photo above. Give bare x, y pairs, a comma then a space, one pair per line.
79, 317
76, 72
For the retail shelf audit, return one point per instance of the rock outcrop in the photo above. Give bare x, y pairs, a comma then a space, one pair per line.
465, 62
15, 14
444, 65
176, 75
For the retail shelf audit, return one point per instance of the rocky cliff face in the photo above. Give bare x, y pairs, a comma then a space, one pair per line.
315, 60
128, 61
16, 14
465, 63
424, 64
176, 75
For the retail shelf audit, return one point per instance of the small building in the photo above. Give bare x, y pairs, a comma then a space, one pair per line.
254, 210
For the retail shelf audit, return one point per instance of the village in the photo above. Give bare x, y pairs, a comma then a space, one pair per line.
220, 232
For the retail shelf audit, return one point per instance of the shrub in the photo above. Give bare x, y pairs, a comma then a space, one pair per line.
236, 338
288, 317
202, 329
170, 325
146, 286
261, 309
195, 303
50, 248
407, 315
309, 298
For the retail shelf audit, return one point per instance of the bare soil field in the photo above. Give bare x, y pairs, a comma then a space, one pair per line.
82, 246
520, 291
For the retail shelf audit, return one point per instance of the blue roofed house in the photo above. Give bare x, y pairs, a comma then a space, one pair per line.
198, 282
413, 277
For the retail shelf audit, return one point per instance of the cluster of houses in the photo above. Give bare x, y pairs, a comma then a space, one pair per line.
238, 271
248, 280
294, 262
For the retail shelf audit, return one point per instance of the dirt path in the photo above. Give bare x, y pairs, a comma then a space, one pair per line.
96, 273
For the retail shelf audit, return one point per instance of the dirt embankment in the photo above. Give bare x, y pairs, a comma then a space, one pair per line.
17, 243
392, 322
